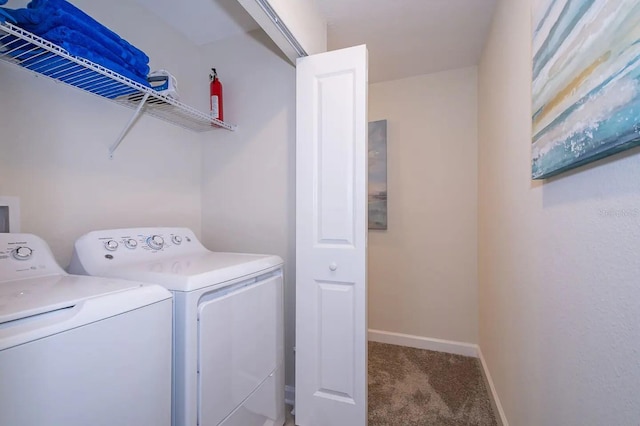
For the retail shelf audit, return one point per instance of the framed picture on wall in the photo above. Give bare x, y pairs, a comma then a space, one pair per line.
586, 82
377, 195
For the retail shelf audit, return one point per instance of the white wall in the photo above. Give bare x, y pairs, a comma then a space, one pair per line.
423, 269
248, 195
54, 142
559, 271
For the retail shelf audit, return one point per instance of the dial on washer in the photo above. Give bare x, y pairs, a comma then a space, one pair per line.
130, 243
156, 242
22, 253
111, 245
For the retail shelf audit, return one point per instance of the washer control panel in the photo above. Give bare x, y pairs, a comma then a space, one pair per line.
25, 255
114, 247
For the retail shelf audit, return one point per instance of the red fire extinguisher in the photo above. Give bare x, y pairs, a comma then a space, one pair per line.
215, 95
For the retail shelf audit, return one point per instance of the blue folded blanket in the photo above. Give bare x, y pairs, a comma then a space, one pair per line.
64, 36
59, 21
61, 12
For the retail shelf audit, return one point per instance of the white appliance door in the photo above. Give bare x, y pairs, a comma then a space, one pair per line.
240, 344
116, 371
331, 232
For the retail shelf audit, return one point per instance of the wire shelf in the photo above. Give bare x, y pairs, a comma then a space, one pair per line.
42, 57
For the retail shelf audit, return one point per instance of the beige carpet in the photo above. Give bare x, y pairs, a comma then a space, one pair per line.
415, 387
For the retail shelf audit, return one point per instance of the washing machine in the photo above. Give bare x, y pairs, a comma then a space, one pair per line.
77, 350
228, 320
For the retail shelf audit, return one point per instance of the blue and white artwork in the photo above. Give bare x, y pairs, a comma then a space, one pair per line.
586, 82
378, 174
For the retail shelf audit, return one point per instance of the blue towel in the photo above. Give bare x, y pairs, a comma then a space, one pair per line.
64, 37
83, 52
42, 17
20, 16
64, 13
4, 16
49, 64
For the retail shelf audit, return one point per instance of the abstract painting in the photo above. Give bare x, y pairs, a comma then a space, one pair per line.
378, 174
586, 82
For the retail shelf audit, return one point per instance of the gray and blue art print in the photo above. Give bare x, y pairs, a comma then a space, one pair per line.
378, 174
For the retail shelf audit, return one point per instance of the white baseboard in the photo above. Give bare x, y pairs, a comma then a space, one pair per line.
448, 346
290, 395
495, 401
439, 345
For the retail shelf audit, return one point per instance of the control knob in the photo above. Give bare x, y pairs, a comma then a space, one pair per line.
22, 253
177, 240
130, 243
111, 245
156, 242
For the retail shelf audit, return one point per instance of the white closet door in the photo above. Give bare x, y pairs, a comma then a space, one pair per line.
331, 227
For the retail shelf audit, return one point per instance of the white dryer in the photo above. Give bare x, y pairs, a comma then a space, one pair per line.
79, 351
228, 320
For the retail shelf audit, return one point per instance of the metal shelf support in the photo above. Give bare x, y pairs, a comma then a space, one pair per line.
132, 120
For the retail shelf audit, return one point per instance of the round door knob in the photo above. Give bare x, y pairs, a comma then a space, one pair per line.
333, 266
177, 240
155, 242
111, 245
22, 253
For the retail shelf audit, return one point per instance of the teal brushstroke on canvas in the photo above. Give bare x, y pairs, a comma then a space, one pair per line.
611, 136
633, 71
571, 14
586, 86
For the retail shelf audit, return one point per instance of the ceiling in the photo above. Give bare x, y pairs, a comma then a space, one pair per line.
404, 37
410, 37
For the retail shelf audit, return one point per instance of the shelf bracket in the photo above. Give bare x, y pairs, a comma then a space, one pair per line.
132, 120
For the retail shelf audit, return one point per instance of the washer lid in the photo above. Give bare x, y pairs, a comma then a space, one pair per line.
195, 271
34, 296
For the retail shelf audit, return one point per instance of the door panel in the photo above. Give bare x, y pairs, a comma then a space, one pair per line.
335, 210
331, 232
337, 342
